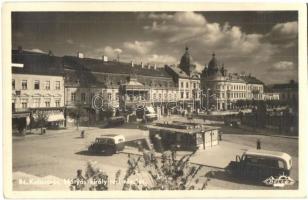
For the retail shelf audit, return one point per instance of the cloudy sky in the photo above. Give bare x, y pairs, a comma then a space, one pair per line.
264, 44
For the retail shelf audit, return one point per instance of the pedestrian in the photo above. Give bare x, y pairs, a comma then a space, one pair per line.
82, 134
258, 144
220, 136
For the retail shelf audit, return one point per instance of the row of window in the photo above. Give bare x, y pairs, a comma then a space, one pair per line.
237, 95
194, 85
37, 85
165, 96
231, 87
37, 103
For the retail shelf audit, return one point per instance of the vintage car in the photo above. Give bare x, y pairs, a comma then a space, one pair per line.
109, 144
115, 121
260, 164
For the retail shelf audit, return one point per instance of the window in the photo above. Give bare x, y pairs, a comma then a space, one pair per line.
182, 84
57, 102
13, 84
24, 84
36, 103
73, 96
109, 96
187, 95
194, 85
280, 164
166, 96
159, 96
24, 105
83, 97
57, 85
47, 85
36, 84
187, 85
47, 103
154, 96
117, 96
174, 96
182, 95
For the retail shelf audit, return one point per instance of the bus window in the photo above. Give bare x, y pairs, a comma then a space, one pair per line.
280, 164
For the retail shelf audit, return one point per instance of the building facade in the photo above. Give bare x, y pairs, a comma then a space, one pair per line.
222, 90
287, 92
37, 87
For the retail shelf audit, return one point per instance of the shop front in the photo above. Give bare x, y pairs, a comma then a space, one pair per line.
52, 118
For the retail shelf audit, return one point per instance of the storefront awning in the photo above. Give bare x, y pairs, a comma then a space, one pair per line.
20, 115
55, 117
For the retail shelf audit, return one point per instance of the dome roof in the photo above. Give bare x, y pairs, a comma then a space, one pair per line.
213, 64
186, 58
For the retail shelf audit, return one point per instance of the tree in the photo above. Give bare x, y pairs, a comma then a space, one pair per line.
41, 118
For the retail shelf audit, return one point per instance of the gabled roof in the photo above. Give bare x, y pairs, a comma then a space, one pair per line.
37, 63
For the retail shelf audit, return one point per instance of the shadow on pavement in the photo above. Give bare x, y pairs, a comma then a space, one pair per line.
224, 176
88, 153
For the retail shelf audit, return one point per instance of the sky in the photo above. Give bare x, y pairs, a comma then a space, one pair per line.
264, 44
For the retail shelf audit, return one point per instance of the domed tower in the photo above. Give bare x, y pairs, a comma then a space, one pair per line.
186, 63
212, 66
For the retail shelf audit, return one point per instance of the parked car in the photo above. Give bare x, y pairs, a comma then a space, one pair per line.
115, 121
235, 123
260, 164
109, 144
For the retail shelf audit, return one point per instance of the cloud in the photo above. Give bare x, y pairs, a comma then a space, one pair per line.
69, 41
139, 47
193, 29
284, 33
199, 66
160, 59
36, 50
108, 51
284, 66
238, 50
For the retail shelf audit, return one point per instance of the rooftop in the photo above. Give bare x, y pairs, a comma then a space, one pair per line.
37, 63
251, 79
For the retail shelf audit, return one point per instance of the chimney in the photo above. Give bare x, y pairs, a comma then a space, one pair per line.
132, 63
80, 55
105, 58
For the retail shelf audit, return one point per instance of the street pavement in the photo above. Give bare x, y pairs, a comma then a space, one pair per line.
61, 153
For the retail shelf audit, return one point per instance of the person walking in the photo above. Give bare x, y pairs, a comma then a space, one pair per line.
258, 144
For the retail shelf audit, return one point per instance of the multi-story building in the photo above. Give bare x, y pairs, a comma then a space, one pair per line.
288, 92
37, 85
86, 77
222, 89
121, 84
187, 80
